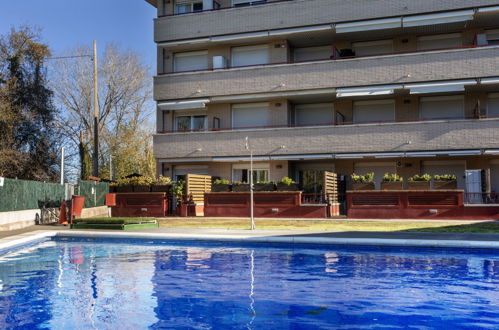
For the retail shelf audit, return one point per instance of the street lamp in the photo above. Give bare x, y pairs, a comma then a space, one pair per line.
251, 185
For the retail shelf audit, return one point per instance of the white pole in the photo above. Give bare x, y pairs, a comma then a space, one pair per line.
251, 192
62, 165
110, 167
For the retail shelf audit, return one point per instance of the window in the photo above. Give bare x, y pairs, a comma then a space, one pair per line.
372, 111
312, 114
243, 3
250, 55
190, 61
492, 37
190, 121
440, 41
241, 173
312, 53
180, 171
373, 47
441, 107
493, 104
188, 6
250, 115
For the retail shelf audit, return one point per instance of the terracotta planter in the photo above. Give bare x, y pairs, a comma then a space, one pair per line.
419, 185
264, 187
241, 187
220, 187
141, 188
124, 189
363, 186
285, 187
392, 185
445, 185
182, 210
161, 188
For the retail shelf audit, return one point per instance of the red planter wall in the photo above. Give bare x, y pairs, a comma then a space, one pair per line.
140, 205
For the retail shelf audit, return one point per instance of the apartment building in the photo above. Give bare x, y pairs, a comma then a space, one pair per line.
397, 86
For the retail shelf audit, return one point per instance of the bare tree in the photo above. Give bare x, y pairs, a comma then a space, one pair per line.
125, 106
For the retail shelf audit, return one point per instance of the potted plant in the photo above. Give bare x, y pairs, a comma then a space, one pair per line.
162, 184
363, 182
264, 186
240, 186
445, 182
179, 198
419, 182
220, 185
392, 182
287, 184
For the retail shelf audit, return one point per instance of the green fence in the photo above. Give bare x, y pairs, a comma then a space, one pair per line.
94, 193
18, 195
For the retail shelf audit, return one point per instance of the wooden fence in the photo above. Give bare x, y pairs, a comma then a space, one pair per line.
196, 186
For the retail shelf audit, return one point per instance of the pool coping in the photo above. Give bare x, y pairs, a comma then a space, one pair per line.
19, 241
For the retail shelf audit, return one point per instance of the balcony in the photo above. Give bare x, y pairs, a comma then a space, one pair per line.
462, 63
376, 137
288, 14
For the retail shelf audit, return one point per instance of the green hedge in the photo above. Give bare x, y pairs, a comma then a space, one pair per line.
18, 195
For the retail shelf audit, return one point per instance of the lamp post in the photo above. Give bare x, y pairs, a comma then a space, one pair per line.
251, 185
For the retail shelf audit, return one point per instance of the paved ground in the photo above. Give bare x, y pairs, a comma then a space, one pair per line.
289, 233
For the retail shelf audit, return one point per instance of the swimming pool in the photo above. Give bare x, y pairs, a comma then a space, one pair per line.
66, 283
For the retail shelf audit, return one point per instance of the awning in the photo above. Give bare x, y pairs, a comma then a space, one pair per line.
491, 152
241, 159
300, 30
439, 18
488, 9
368, 25
487, 81
370, 155
183, 42
439, 86
443, 153
184, 105
329, 91
240, 36
367, 91
185, 160
301, 157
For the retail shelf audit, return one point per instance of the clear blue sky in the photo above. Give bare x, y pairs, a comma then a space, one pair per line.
69, 23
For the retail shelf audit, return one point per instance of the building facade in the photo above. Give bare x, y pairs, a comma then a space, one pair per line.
383, 86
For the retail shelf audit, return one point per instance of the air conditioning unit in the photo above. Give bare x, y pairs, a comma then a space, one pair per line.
219, 62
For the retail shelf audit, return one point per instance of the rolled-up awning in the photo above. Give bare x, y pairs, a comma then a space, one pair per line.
367, 91
301, 157
439, 18
491, 152
370, 155
301, 30
241, 159
443, 153
439, 86
488, 81
368, 25
184, 105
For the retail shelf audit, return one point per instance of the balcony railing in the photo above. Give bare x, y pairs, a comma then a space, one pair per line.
345, 123
335, 56
491, 198
217, 7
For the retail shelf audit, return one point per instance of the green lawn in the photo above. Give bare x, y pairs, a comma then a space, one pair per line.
114, 221
335, 225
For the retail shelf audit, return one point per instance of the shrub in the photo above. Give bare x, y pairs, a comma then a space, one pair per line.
163, 181
367, 178
418, 178
237, 183
177, 188
287, 181
392, 178
445, 177
221, 181
135, 181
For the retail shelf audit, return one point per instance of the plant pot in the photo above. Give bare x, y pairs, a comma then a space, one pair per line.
264, 187
445, 185
240, 187
161, 188
141, 188
392, 185
363, 186
285, 187
220, 187
182, 210
124, 189
419, 185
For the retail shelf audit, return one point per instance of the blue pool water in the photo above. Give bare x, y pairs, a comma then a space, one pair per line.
118, 284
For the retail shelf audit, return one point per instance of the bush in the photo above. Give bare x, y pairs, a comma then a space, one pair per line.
420, 178
163, 181
287, 181
445, 177
135, 181
392, 178
367, 178
237, 183
177, 188
221, 181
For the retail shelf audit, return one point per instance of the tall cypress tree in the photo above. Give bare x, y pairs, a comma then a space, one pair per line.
28, 141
